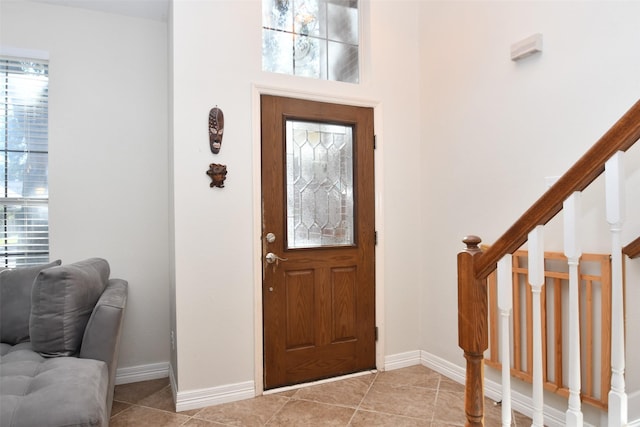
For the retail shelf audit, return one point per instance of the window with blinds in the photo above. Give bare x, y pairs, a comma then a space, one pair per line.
24, 162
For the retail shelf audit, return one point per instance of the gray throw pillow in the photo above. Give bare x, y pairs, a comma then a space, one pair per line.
62, 301
15, 301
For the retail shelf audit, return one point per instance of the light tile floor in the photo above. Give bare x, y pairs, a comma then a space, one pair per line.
413, 396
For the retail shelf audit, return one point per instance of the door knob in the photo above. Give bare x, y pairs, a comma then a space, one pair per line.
271, 258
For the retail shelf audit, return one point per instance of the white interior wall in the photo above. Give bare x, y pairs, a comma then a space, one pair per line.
172, 255
493, 129
473, 107
108, 153
217, 62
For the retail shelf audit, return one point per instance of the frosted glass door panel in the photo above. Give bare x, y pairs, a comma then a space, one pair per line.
319, 185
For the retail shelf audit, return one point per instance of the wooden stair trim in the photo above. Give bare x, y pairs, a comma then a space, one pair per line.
632, 250
474, 265
622, 135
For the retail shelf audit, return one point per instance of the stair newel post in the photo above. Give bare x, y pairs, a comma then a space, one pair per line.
472, 329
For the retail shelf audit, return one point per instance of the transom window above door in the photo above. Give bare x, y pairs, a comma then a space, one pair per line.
312, 38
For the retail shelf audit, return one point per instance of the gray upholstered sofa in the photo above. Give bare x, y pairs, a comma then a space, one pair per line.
60, 328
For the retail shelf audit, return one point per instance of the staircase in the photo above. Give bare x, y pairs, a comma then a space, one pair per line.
475, 265
632, 250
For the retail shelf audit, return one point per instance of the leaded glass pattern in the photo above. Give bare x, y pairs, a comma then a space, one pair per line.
319, 185
312, 38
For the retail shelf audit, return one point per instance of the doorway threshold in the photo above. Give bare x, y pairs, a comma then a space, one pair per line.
318, 382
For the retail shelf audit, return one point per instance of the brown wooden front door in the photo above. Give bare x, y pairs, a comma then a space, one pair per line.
318, 240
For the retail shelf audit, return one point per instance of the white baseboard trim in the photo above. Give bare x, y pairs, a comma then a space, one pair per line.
633, 405
401, 360
134, 374
195, 399
442, 366
519, 402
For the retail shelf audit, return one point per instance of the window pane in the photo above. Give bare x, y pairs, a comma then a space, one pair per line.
23, 162
342, 22
26, 174
25, 115
343, 62
319, 185
307, 19
276, 52
277, 15
25, 234
308, 59
298, 35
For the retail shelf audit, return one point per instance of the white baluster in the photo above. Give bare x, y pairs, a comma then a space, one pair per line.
505, 301
614, 183
573, 251
536, 280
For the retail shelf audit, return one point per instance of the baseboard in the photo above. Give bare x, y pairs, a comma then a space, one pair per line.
633, 405
493, 390
442, 366
246, 390
401, 360
195, 399
134, 374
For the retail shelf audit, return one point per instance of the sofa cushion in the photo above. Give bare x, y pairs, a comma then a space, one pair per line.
15, 301
64, 391
62, 300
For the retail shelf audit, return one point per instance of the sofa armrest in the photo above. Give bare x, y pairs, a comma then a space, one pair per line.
101, 339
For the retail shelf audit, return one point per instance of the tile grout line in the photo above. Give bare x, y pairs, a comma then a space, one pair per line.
119, 413
363, 397
435, 403
289, 398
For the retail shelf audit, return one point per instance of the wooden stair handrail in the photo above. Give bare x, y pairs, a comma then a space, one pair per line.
474, 265
622, 135
632, 250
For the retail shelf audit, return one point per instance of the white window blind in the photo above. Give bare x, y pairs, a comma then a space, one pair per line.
24, 198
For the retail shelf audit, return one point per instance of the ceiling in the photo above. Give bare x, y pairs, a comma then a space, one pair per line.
148, 9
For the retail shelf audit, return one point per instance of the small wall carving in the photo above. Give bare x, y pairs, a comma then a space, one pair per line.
217, 173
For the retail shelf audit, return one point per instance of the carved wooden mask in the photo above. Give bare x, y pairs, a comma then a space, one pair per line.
216, 129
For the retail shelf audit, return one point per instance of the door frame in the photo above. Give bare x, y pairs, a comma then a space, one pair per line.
256, 91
